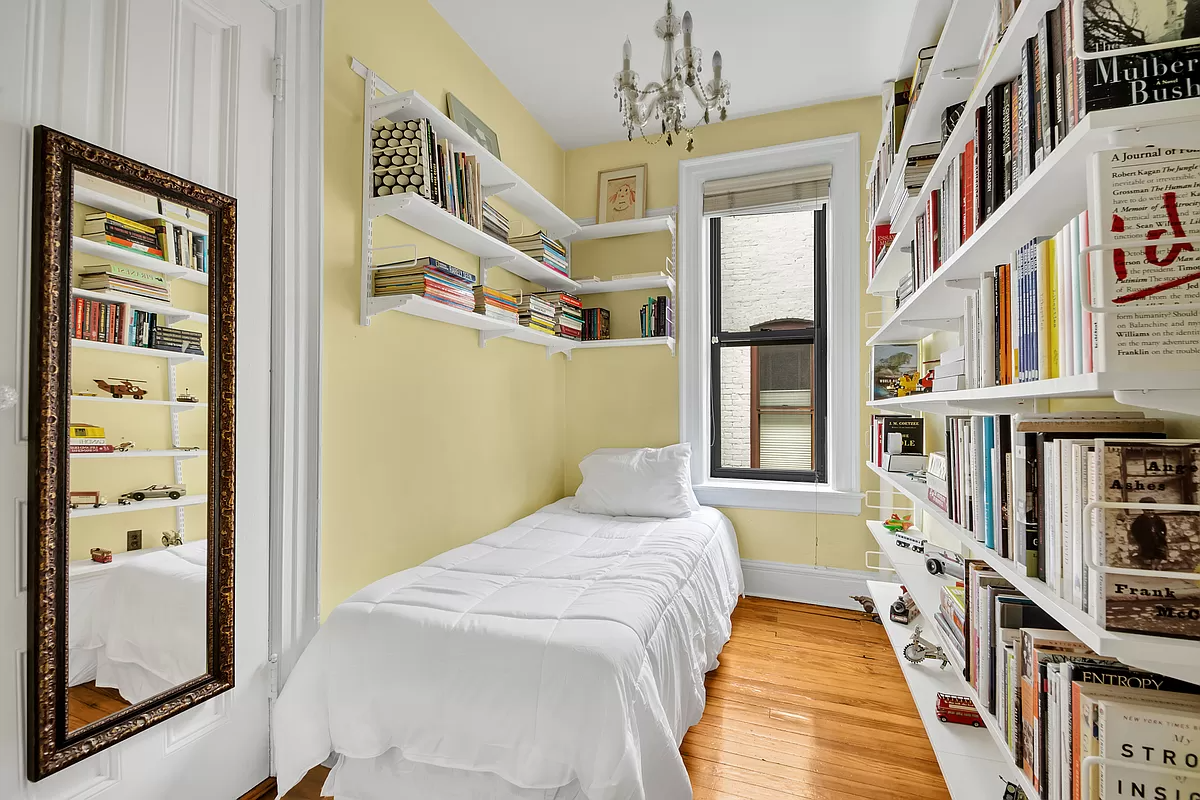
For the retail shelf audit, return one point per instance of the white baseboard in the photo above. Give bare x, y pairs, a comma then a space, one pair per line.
804, 583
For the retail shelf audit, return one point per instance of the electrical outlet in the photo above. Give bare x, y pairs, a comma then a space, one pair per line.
133, 540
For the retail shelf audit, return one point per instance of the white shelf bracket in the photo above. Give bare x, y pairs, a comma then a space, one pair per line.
1181, 401
966, 284
497, 188
487, 336
965, 72
388, 105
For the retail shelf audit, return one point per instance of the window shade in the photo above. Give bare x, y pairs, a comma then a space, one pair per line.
785, 441
801, 185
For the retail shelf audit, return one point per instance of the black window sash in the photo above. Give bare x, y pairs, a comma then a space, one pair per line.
816, 336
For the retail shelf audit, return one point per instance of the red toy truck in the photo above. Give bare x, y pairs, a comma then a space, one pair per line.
959, 710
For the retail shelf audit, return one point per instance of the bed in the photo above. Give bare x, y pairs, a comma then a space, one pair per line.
561, 658
140, 627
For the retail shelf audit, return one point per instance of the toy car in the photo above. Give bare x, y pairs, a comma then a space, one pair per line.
92, 499
122, 387
101, 555
895, 523
958, 710
171, 490
940, 561
917, 545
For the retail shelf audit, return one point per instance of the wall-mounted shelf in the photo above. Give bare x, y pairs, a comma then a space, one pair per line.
134, 259
629, 227
925, 590
146, 505
1179, 658
627, 285
171, 313
152, 352
106, 202
143, 454
174, 406
646, 341
416, 211
951, 74
969, 757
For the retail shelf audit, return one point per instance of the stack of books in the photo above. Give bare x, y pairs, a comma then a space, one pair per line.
182, 246
568, 314
894, 117
141, 328
429, 278
495, 304
87, 438
658, 317
950, 375
178, 340
97, 321
495, 224
541, 247
536, 313
918, 163
888, 430
595, 324
951, 619
108, 228
121, 279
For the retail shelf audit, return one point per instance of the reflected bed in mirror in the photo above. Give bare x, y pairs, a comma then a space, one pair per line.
132, 537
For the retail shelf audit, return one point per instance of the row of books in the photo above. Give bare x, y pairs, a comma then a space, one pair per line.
1021, 486
495, 224
895, 113
116, 323
429, 278
568, 314
1056, 702
658, 317
408, 156
898, 442
596, 324
495, 304
160, 239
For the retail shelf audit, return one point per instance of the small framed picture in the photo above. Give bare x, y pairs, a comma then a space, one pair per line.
622, 194
895, 370
473, 125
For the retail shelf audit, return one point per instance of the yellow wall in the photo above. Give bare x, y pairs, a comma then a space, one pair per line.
630, 396
429, 441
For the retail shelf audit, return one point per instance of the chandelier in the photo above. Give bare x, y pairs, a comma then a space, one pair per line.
666, 101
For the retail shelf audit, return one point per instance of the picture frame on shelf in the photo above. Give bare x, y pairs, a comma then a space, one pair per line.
893, 367
621, 194
466, 119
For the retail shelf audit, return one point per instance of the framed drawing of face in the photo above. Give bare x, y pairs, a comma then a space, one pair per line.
622, 194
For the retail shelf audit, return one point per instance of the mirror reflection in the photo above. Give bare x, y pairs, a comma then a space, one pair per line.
138, 433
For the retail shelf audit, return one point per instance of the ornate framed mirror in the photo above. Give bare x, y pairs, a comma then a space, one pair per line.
131, 473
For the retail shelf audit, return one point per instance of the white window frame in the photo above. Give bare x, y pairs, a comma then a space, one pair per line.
840, 494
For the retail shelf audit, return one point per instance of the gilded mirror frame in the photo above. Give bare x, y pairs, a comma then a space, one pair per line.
56, 158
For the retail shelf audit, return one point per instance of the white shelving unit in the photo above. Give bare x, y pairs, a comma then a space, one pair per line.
183, 454
986, 744
152, 352
642, 284
106, 202
170, 313
174, 406
648, 341
146, 505
629, 227
109, 252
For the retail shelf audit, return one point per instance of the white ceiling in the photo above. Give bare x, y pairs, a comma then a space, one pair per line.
559, 56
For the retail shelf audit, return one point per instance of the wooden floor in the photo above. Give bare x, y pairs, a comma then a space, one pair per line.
808, 702
87, 703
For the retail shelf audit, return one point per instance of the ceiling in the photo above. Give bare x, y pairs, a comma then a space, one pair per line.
558, 57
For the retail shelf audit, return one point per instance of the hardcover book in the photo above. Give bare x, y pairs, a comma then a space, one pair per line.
890, 365
1150, 473
1113, 27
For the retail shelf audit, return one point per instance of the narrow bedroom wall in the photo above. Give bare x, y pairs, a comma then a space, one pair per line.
429, 441
626, 397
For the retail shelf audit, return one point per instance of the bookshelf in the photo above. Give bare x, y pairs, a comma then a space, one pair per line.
647, 341
628, 285
629, 227
171, 355
96, 198
174, 406
143, 454
1179, 658
129, 257
171, 313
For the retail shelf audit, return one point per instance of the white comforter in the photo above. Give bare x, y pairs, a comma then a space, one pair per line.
148, 628
564, 648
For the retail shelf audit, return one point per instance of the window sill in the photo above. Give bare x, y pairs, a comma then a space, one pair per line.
778, 496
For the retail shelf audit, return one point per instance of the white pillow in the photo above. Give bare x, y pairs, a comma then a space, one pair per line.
647, 482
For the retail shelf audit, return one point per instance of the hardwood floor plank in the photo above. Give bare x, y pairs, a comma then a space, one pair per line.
808, 703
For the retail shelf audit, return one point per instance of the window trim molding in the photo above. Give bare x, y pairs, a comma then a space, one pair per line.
840, 495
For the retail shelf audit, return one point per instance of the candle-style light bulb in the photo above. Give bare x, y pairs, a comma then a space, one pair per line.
687, 29
626, 53
717, 67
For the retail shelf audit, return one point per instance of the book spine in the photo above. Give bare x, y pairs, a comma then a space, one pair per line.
989, 179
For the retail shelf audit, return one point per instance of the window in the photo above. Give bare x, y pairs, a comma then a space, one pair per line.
767, 270
770, 271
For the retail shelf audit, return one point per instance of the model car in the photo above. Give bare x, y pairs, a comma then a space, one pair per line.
957, 709
940, 561
171, 490
122, 387
101, 555
92, 499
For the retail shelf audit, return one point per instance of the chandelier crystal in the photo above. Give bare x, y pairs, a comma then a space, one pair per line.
666, 101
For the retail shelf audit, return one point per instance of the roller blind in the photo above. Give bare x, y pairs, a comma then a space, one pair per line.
784, 441
800, 185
